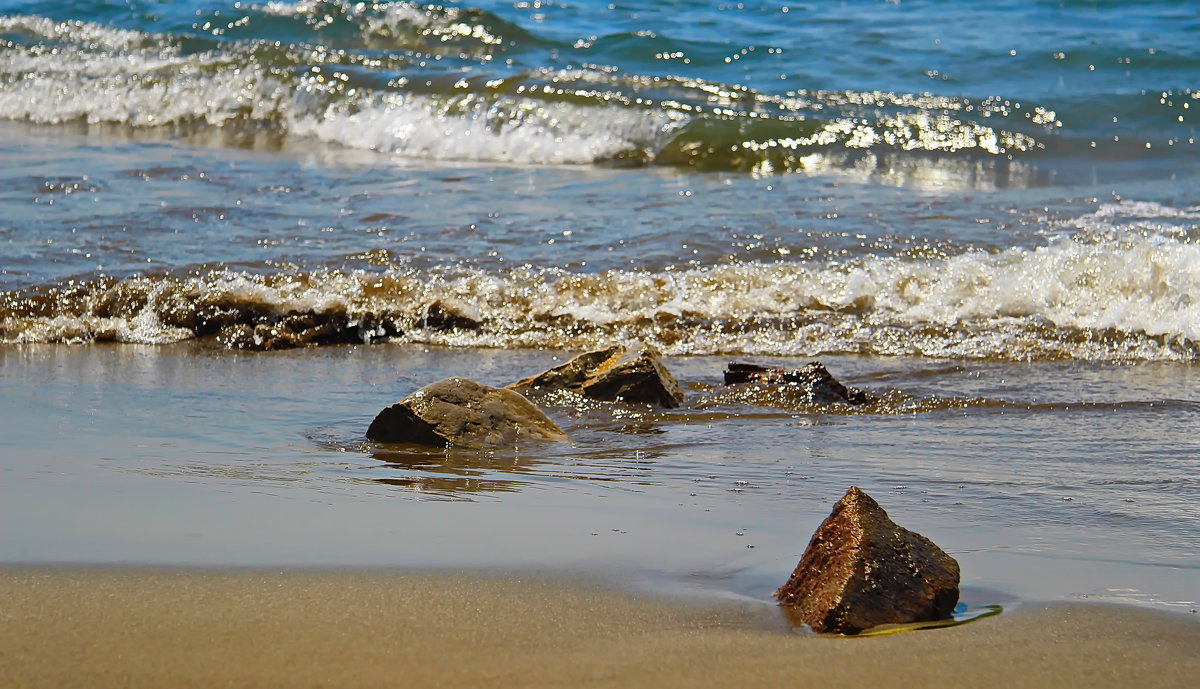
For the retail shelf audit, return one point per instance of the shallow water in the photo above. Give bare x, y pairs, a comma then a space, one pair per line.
178, 454
231, 232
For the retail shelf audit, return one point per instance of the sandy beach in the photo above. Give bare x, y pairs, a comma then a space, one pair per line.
207, 628
231, 233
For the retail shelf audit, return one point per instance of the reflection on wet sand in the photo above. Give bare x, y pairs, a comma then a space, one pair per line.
449, 473
613, 442
456, 474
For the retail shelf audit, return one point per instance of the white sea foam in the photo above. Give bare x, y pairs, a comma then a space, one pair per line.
155, 86
1131, 283
120, 96
141, 328
96, 35
1134, 283
122, 77
1129, 296
142, 80
289, 9
508, 130
375, 16
1142, 209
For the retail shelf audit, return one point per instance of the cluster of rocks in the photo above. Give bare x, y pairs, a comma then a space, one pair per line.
859, 571
464, 413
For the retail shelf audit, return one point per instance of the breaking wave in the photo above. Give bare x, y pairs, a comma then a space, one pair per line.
1092, 296
427, 81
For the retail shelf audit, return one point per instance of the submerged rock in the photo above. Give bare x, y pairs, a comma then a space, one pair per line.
861, 570
461, 412
617, 373
303, 329
813, 379
441, 315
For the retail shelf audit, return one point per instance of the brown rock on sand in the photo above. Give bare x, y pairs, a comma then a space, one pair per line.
628, 374
461, 412
861, 570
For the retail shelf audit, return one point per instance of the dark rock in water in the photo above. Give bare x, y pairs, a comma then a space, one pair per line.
861, 570
627, 374
304, 328
813, 378
443, 316
461, 412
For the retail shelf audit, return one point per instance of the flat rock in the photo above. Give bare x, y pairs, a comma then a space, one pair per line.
617, 373
861, 570
813, 379
461, 412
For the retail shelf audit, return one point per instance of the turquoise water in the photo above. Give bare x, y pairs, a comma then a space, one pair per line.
1013, 181
670, 83
224, 227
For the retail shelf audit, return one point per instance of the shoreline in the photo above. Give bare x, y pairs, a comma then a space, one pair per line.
143, 626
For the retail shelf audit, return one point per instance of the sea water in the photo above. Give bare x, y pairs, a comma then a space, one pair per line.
230, 231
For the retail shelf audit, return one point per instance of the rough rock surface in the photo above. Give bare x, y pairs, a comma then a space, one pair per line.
628, 374
461, 412
813, 378
862, 570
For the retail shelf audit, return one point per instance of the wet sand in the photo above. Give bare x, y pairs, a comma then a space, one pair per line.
206, 628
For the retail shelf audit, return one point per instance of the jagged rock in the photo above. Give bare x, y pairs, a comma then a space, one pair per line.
461, 412
861, 570
813, 379
628, 374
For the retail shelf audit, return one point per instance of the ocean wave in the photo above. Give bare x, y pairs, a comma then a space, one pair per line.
387, 25
1123, 210
1123, 296
502, 130
397, 99
76, 31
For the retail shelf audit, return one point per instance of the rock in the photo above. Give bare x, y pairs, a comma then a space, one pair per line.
627, 374
861, 570
814, 379
304, 328
461, 412
442, 315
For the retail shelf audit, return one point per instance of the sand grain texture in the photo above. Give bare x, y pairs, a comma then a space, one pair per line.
121, 628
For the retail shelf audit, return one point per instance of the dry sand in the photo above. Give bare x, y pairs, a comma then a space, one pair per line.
137, 628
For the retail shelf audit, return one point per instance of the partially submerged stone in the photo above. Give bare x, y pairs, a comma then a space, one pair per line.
861, 570
302, 329
812, 379
617, 373
461, 412
443, 315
